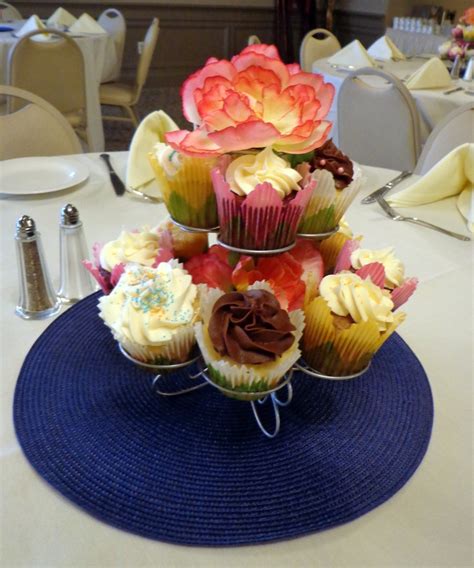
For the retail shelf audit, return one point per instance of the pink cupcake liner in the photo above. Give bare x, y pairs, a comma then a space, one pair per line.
401, 294
376, 272
261, 220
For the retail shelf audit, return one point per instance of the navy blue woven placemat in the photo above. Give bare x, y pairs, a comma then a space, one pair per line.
195, 469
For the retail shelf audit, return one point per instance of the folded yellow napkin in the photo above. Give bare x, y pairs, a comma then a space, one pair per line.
32, 24
453, 175
86, 25
354, 55
385, 49
432, 75
151, 130
61, 17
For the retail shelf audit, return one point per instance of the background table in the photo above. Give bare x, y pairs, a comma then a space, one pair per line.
100, 62
427, 523
414, 43
432, 104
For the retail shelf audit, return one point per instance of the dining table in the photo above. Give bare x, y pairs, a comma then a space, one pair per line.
100, 64
433, 104
415, 42
428, 522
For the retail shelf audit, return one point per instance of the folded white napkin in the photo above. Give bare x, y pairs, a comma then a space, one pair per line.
61, 17
432, 75
385, 49
32, 24
352, 55
86, 25
453, 175
151, 130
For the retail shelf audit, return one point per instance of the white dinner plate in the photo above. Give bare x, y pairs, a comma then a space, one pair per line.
31, 176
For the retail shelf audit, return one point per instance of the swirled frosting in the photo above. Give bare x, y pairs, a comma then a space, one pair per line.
250, 327
394, 269
149, 305
246, 172
329, 157
168, 158
349, 295
141, 247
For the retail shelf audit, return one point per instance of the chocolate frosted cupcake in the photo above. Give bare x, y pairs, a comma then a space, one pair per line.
338, 182
247, 340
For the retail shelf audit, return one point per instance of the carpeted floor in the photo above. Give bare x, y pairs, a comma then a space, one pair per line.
118, 135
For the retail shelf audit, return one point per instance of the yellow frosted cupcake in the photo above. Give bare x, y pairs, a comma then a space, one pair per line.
346, 324
186, 186
247, 341
151, 313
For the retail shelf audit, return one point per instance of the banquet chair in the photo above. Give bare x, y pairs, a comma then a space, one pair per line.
8, 12
455, 129
317, 44
253, 40
54, 70
378, 124
37, 129
113, 22
124, 95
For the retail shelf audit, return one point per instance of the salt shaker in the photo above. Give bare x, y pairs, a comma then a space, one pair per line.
456, 68
37, 296
74, 282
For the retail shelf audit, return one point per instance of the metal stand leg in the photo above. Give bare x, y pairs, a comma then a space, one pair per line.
156, 380
276, 403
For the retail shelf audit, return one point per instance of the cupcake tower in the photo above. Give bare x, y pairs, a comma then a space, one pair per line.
258, 169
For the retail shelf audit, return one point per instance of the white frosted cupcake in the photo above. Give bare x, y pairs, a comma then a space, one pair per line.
151, 312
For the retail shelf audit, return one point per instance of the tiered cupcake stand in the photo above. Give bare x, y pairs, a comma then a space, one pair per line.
275, 396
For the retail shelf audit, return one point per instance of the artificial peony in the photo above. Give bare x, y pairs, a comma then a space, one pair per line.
253, 101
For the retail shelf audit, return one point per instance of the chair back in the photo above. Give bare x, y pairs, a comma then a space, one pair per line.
37, 129
113, 22
317, 44
149, 44
53, 70
8, 12
378, 124
253, 40
455, 129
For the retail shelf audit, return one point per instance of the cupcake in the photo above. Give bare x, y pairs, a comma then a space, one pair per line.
247, 341
260, 200
185, 244
338, 182
331, 247
145, 247
186, 186
151, 313
347, 323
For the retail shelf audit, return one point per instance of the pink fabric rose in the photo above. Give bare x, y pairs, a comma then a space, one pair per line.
253, 101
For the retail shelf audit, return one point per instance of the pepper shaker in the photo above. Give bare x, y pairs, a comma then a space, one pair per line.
37, 296
74, 282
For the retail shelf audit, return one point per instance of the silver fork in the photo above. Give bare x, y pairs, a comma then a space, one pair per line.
397, 217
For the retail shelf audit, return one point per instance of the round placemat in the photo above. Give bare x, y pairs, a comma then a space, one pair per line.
195, 469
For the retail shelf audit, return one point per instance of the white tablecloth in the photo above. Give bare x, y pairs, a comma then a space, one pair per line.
100, 61
432, 104
414, 43
427, 523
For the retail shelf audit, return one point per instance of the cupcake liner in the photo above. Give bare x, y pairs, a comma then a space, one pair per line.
244, 378
189, 195
261, 220
339, 352
327, 204
330, 249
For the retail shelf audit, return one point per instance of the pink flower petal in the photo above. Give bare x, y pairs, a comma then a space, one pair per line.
375, 271
343, 261
213, 68
196, 143
268, 50
316, 139
401, 294
253, 133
